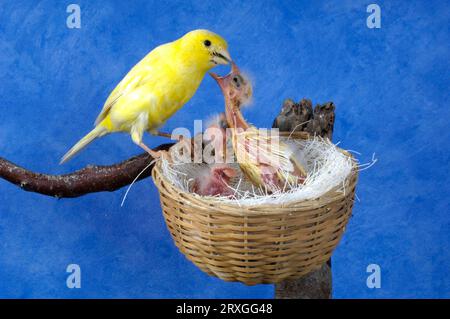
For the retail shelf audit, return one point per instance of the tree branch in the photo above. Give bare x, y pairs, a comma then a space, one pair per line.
90, 179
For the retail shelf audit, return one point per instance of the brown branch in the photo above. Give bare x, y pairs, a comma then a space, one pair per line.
90, 179
301, 117
314, 285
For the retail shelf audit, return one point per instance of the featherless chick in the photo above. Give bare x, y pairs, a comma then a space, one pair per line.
267, 161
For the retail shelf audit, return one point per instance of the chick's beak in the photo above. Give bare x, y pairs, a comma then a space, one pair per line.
234, 68
219, 79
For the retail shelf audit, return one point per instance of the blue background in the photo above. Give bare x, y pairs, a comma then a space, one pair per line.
390, 86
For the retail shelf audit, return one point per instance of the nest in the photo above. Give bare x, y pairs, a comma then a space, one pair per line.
258, 237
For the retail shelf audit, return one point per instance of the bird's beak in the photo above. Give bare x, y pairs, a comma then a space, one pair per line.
224, 81
220, 80
234, 68
221, 56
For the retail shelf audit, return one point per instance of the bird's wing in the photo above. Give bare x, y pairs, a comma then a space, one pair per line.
140, 74
128, 84
106, 108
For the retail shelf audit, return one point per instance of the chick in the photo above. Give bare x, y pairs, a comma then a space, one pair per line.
158, 86
266, 165
215, 140
214, 181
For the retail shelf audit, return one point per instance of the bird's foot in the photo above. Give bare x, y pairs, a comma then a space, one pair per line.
154, 154
171, 136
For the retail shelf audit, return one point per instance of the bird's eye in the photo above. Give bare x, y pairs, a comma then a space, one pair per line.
238, 81
207, 43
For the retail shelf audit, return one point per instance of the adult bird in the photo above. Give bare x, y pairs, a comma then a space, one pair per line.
156, 87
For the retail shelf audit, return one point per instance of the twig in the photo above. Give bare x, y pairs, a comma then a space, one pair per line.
90, 179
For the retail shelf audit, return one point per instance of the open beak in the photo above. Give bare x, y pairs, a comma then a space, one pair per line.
234, 68
219, 79
224, 81
221, 56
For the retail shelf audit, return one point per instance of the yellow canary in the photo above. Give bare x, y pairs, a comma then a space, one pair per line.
156, 87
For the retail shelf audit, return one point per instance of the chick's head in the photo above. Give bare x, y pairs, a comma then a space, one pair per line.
235, 86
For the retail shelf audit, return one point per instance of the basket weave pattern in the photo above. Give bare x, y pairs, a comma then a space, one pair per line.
257, 244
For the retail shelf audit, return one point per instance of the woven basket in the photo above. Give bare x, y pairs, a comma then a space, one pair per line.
255, 244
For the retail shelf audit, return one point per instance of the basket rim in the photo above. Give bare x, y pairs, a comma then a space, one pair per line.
210, 203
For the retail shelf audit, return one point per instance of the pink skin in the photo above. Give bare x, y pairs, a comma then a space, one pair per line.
236, 90
215, 182
217, 134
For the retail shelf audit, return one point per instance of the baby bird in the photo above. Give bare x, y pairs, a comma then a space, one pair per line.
266, 165
215, 138
214, 181
155, 88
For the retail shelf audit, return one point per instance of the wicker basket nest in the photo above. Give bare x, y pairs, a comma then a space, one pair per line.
256, 244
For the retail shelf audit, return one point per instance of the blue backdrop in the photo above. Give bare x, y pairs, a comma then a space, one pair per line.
390, 86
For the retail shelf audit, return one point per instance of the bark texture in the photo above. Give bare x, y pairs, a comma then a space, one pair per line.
315, 285
90, 179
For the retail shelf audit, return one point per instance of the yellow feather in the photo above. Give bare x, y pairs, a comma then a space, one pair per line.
160, 84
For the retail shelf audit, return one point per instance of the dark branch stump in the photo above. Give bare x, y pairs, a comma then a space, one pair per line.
320, 121
315, 285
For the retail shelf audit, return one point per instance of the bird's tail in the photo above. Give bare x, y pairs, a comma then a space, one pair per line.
92, 135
